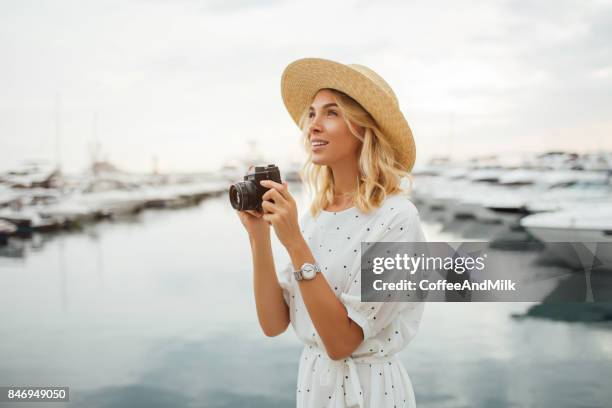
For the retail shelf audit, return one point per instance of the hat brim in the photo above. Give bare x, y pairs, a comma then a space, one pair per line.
302, 79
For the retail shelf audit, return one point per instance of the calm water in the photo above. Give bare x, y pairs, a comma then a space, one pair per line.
158, 311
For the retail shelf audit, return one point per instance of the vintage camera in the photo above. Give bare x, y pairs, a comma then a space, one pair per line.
246, 195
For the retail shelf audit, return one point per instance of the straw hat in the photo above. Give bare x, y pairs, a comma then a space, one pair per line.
303, 78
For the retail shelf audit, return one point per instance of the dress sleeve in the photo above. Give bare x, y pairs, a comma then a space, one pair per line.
284, 280
374, 317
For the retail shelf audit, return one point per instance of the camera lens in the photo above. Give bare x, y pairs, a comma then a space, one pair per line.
236, 197
243, 196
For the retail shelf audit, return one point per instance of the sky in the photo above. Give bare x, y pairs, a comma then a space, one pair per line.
191, 82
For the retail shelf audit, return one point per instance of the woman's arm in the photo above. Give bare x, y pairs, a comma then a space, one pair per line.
272, 311
340, 335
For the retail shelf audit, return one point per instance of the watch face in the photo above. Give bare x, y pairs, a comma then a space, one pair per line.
308, 271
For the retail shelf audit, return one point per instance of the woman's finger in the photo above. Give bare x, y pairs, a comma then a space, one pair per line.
273, 194
273, 190
268, 218
269, 207
281, 188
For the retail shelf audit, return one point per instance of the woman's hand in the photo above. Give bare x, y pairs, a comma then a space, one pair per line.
254, 223
280, 210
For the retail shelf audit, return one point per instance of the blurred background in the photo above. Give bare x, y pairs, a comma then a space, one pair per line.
126, 274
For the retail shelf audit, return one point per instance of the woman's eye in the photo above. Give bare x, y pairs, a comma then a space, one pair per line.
331, 112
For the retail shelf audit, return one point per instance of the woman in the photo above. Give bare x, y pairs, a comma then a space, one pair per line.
359, 149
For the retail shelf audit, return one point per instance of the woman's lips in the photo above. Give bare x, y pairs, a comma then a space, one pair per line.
318, 147
318, 144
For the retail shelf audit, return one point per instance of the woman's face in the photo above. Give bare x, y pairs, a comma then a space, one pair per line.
330, 139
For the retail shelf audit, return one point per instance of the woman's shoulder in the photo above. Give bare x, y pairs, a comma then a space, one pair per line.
401, 219
398, 205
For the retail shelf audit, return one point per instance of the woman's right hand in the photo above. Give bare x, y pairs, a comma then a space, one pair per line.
254, 223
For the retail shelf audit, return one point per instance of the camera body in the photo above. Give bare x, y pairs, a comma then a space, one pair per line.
246, 195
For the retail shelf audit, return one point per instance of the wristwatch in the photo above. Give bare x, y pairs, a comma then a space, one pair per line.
308, 271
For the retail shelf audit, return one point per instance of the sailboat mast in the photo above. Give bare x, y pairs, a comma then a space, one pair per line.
58, 132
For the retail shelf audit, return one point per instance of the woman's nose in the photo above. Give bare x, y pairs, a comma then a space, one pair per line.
314, 129
315, 126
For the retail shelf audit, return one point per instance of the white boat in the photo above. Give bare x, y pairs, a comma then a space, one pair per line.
7, 228
80, 206
588, 224
504, 206
8, 195
32, 174
520, 177
27, 220
509, 205
568, 197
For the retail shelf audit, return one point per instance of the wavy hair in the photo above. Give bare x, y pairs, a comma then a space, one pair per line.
380, 174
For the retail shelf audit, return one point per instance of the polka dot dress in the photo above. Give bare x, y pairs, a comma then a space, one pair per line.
373, 376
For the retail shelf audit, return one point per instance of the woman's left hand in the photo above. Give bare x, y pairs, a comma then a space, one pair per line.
280, 210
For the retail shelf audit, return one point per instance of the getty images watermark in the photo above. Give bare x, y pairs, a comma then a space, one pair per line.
479, 272
459, 265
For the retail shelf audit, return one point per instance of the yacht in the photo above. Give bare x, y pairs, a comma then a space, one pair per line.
587, 226
526, 187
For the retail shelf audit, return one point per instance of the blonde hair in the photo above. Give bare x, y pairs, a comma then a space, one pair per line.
379, 172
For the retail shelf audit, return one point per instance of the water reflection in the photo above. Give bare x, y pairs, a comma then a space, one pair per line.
158, 310
222, 371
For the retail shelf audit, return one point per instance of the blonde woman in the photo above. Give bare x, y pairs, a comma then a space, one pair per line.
359, 148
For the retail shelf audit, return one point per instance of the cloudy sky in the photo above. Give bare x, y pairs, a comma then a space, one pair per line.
192, 81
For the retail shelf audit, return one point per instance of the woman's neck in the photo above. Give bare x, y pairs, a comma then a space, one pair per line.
345, 176
340, 203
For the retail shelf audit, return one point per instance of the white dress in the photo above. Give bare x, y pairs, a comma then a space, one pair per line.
373, 376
